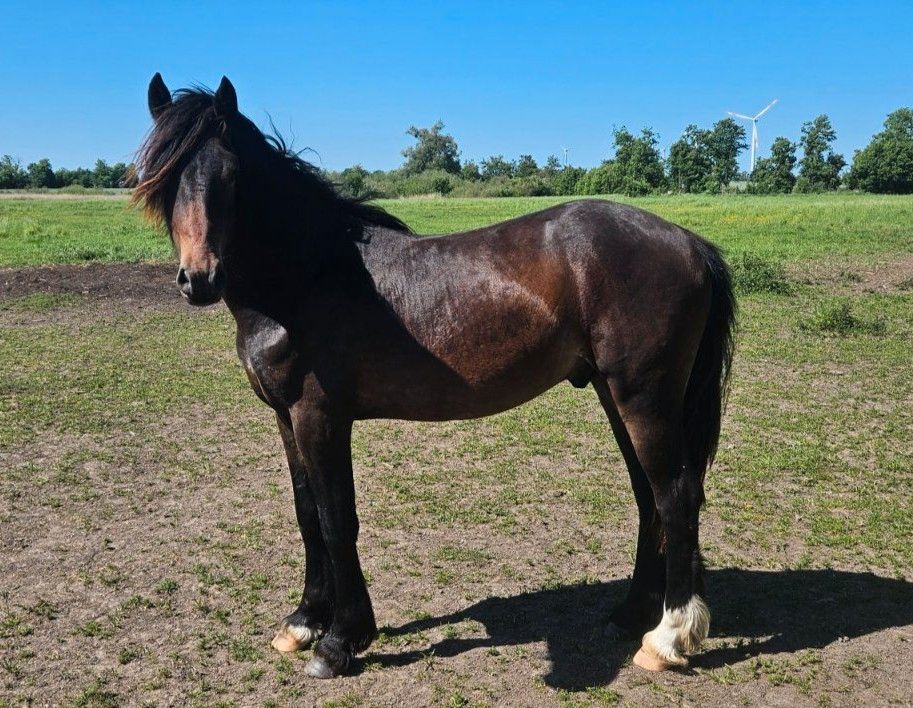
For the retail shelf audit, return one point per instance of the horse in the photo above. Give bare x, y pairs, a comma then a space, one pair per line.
343, 314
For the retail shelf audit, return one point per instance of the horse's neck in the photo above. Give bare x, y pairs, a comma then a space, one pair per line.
273, 274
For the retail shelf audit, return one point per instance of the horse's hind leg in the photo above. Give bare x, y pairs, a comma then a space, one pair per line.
314, 613
653, 421
643, 606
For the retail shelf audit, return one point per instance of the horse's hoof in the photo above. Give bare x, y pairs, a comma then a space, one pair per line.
650, 662
318, 668
291, 638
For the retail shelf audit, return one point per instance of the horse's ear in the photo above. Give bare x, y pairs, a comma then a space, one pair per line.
225, 100
159, 95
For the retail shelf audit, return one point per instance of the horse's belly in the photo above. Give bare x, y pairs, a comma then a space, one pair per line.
466, 389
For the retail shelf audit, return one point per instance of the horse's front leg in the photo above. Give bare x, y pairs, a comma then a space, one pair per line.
325, 443
315, 611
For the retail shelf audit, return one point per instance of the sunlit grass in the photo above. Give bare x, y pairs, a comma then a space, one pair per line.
791, 227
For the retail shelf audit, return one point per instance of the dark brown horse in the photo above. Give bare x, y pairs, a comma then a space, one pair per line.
344, 315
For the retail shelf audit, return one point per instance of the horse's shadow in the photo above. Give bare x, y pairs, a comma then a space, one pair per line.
783, 611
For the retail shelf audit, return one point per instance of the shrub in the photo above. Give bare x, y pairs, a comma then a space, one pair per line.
352, 181
565, 181
753, 274
605, 179
398, 183
837, 317
441, 184
534, 186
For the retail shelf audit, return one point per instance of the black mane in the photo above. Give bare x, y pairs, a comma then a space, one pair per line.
275, 172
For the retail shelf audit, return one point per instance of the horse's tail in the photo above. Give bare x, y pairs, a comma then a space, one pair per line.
708, 385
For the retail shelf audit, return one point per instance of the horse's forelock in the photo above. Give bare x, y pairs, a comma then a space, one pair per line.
178, 132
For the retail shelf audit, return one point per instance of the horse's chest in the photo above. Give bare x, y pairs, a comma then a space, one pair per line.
271, 363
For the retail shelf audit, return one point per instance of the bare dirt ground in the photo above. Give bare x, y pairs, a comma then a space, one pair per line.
881, 275
146, 283
149, 562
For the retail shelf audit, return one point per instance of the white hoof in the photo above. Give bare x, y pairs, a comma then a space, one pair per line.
680, 632
291, 637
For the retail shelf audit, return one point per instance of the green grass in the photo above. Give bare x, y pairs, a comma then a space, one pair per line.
753, 274
42, 231
837, 317
39, 302
791, 228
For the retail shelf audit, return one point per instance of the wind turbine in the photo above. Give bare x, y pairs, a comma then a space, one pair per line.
754, 128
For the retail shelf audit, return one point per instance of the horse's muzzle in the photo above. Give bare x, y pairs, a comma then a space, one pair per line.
202, 287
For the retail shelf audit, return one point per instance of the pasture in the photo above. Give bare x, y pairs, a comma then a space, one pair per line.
149, 540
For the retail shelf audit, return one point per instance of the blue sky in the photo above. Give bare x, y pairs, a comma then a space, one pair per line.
347, 79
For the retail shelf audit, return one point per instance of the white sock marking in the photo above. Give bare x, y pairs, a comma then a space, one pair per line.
680, 632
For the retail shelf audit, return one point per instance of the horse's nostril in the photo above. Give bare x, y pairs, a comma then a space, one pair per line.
182, 277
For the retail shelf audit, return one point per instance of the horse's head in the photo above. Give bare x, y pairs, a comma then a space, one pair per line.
188, 182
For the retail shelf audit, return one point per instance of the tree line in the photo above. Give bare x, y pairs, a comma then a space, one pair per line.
41, 175
702, 160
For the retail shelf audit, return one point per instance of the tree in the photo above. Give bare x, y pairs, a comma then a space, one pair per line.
899, 124
118, 173
41, 174
638, 163
526, 166
819, 171
102, 175
79, 176
689, 161
635, 170
12, 176
706, 160
724, 143
435, 150
552, 166
886, 164
774, 174
496, 166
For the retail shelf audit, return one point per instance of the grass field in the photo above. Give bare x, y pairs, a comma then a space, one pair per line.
149, 539
42, 231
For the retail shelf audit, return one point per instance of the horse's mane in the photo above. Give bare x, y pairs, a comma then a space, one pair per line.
183, 126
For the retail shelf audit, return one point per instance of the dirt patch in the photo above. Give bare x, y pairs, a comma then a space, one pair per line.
142, 283
889, 274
